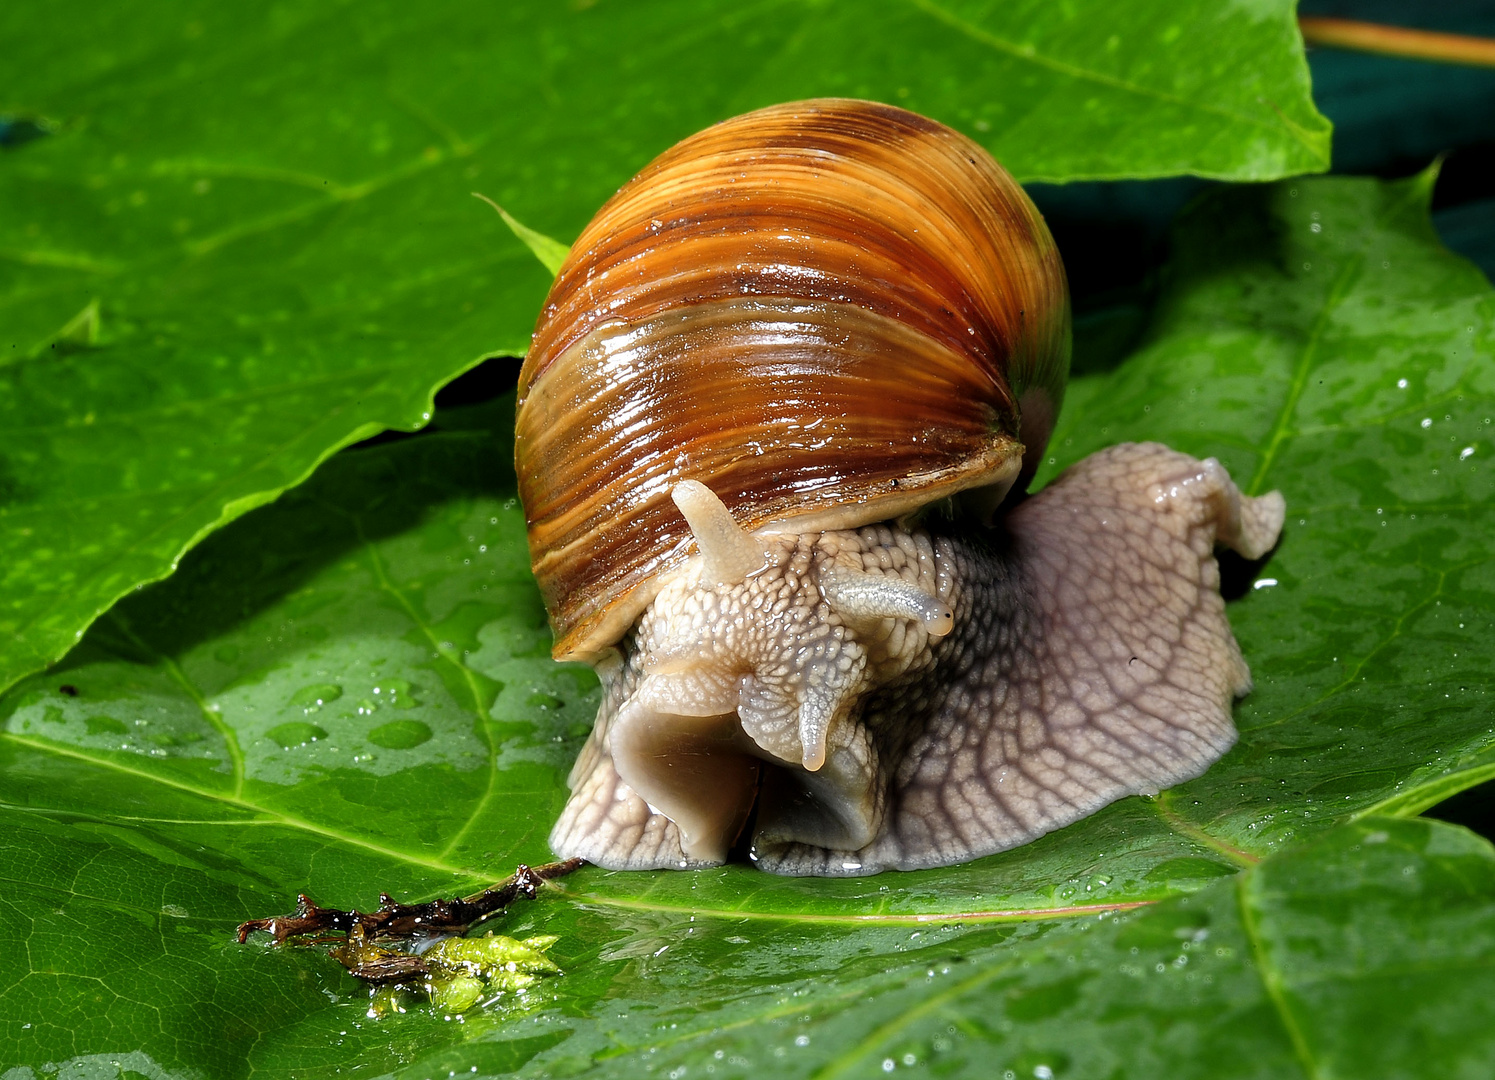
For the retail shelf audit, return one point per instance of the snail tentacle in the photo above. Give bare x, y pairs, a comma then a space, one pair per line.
859, 597
728, 552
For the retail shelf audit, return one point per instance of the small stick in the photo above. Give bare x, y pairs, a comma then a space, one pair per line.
396, 921
1397, 41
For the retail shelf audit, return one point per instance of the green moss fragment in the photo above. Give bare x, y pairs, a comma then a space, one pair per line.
456, 973
390, 1001
455, 993
496, 958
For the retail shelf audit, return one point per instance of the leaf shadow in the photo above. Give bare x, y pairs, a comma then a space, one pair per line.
366, 493
1238, 573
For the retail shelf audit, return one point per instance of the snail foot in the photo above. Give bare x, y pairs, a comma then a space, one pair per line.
1098, 661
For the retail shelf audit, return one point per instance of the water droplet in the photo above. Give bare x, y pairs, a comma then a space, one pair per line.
295, 733
105, 725
400, 735
313, 697
401, 694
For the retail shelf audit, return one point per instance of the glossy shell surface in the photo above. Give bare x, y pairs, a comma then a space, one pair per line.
831, 313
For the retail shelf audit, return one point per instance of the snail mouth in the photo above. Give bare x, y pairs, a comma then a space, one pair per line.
698, 771
708, 776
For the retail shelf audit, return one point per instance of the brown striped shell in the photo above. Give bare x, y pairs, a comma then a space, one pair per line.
831, 313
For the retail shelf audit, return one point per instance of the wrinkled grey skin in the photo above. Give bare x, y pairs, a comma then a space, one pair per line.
1089, 659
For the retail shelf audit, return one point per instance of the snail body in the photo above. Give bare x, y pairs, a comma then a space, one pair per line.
778, 392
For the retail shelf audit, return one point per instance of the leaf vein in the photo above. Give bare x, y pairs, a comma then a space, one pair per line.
1032, 56
1282, 428
1271, 980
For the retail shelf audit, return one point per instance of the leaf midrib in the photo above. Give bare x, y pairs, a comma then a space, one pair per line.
1307, 355
945, 918
1271, 980
463, 672
267, 816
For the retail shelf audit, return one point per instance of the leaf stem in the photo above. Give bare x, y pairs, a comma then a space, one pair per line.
1185, 827
1271, 979
1399, 41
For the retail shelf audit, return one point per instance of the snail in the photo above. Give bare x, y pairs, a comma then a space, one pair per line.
773, 434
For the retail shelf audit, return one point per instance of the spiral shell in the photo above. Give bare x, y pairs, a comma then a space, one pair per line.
830, 312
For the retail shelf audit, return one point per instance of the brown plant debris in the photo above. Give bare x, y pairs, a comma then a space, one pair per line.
359, 952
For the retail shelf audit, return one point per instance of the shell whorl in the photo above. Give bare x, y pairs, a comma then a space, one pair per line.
829, 312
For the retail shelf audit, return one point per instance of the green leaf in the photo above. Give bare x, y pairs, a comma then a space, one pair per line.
247, 240
1370, 953
551, 253
216, 744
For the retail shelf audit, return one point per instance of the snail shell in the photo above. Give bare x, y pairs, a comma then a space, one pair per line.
764, 358
831, 313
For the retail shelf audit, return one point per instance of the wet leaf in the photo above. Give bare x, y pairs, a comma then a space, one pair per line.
237, 239
1367, 953
216, 751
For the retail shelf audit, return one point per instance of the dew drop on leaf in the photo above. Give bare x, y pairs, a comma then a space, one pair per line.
295, 733
400, 735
